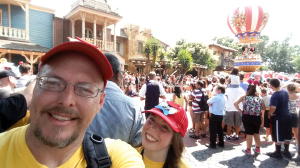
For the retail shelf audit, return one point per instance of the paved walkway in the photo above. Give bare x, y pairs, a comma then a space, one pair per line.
232, 156
199, 156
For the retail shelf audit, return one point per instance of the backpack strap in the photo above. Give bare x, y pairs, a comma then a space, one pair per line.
95, 151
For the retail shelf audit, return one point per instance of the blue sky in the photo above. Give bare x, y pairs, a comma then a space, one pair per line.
195, 20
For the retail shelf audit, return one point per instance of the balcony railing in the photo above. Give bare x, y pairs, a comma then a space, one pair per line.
100, 44
12, 32
94, 4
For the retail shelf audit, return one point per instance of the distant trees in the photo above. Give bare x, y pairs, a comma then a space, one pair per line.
200, 53
277, 56
152, 48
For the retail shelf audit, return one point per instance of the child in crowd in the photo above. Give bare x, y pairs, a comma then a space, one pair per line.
265, 111
162, 136
234, 78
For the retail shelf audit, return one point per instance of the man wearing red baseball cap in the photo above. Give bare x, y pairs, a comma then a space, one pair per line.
68, 94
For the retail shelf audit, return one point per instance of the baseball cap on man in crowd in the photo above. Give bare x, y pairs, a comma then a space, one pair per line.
6, 73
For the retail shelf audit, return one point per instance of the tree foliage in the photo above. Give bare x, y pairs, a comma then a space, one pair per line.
200, 53
184, 58
277, 56
296, 63
155, 48
147, 52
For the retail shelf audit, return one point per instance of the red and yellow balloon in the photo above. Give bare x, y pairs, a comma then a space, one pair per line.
246, 23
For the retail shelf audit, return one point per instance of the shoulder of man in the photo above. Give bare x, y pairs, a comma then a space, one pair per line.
122, 154
115, 153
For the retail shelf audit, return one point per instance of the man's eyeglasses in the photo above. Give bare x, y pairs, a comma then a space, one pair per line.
57, 85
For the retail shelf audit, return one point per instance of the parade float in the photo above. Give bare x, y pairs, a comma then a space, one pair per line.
246, 23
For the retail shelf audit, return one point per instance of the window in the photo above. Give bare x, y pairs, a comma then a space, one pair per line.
88, 33
140, 47
118, 47
139, 70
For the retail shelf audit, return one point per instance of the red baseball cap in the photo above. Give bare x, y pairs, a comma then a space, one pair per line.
84, 48
173, 114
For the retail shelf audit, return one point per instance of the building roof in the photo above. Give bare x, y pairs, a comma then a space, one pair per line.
224, 47
98, 5
23, 47
162, 42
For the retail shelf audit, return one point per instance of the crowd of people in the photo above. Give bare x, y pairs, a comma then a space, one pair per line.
78, 112
237, 106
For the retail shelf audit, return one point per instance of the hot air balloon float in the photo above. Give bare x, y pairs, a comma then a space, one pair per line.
246, 23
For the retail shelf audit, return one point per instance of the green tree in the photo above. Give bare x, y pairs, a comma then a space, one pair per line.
185, 60
147, 52
155, 47
296, 62
279, 56
200, 53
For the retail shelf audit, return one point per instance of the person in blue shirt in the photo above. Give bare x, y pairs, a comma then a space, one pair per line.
120, 116
280, 115
243, 84
216, 106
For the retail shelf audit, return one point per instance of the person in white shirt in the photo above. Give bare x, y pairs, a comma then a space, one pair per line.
25, 70
234, 78
232, 116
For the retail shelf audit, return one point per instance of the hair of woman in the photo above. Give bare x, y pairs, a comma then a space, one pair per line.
235, 71
251, 90
175, 151
291, 87
193, 86
177, 91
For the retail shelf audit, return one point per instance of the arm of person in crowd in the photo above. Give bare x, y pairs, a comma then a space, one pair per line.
173, 97
12, 109
210, 101
273, 104
272, 110
263, 107
237, 102
142, 92
186, 102
162, 92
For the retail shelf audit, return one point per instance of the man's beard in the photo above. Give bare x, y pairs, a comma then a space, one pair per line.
54, 141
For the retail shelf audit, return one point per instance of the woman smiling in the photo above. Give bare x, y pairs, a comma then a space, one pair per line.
162, 136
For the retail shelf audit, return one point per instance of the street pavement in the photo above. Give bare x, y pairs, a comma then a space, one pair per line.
198, 155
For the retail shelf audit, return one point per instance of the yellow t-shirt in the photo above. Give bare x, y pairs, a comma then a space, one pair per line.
180, 100
14, 153
151, 164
